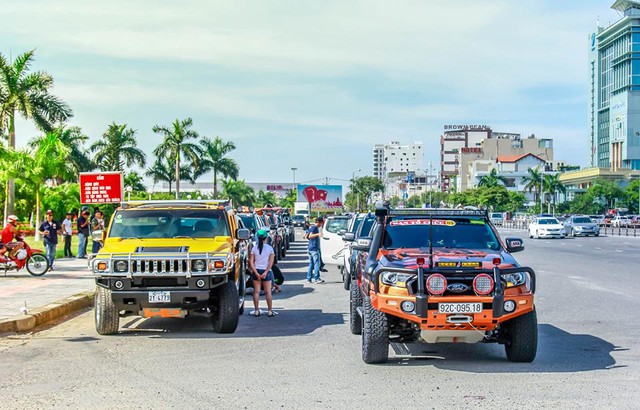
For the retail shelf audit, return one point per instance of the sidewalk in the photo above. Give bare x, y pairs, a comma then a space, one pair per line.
17, 289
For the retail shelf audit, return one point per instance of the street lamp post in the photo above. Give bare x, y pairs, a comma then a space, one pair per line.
353, 178
294, 178
129, 189
149, 192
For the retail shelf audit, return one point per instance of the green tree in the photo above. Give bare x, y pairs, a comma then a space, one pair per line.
176, 143
289, 200
163, 170
74, 139
364, 188
532, 182
62, 199
27, 94
606, 191
492, 179
214, 152
631, 194
264, 198
134, 180
117, 149
52, 155
552, 187
239, 192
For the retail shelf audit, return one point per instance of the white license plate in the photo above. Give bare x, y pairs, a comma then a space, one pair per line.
159, 297
459, 307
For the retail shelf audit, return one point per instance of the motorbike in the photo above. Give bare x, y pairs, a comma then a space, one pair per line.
34, 260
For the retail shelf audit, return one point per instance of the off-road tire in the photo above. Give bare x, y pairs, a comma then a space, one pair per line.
522, 338
105, 311
375, 334
242, 291
225, 308
346, 278
355, 301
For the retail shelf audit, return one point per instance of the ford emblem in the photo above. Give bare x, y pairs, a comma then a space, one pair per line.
457, 288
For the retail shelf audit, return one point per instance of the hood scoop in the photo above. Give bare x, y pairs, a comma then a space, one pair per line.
162, 249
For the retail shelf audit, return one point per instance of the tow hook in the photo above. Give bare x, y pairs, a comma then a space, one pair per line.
459, 319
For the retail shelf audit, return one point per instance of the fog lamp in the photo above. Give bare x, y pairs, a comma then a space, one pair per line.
509, 306
408, 306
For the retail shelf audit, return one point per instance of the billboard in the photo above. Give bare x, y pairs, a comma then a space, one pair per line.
101, 187
321, 197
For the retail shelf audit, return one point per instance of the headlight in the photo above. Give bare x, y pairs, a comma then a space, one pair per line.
515, 279
395, 278
199, 265
120, 266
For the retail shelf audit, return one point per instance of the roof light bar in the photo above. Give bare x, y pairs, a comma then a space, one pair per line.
436, 212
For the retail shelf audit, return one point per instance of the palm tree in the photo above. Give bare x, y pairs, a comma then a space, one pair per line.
214, 160
553, 186
164, 170
117, 148
26, 94
492, 179
532, 182
239, 192
74, 138
176, 142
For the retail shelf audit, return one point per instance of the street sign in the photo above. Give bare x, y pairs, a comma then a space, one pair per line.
101, 187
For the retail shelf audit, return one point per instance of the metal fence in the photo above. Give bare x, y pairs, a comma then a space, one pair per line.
604, 229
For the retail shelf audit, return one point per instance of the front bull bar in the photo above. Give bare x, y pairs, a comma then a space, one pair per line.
422, 297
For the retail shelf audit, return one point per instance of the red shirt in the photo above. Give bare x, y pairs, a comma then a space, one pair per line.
7, 234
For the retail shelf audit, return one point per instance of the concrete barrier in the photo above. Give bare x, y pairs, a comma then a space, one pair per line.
48, 313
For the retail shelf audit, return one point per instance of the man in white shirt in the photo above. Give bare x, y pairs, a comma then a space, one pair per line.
67, 232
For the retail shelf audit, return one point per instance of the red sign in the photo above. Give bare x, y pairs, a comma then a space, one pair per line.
101, 187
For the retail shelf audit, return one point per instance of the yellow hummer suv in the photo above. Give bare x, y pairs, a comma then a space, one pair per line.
168, 259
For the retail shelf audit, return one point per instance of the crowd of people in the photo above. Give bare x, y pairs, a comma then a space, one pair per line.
51, 231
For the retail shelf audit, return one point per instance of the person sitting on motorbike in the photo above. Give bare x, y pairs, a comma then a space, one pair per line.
10, 231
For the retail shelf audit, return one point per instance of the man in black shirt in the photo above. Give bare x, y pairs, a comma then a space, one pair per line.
83, 232
50, 229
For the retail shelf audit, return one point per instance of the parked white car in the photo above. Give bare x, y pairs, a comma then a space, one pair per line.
331, 244
546, 227
496, 218
621, 221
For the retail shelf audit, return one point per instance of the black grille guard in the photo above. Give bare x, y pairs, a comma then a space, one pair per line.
421, 295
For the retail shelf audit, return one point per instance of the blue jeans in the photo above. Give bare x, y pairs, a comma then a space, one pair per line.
51, 251
82, 245
95, 246
314, 266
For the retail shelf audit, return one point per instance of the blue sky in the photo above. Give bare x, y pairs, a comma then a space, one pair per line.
314, 84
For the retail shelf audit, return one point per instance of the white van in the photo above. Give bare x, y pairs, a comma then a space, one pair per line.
496, 218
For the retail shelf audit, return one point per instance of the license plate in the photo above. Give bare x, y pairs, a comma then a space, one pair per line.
459, 307
159, 297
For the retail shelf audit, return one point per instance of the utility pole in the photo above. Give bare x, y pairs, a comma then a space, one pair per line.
294, 178
326, 180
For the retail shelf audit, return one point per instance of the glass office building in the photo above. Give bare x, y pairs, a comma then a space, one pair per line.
614, 97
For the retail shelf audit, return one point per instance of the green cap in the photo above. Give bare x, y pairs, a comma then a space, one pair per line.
262, 234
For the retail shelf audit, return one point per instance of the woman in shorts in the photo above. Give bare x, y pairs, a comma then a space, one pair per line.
260, 263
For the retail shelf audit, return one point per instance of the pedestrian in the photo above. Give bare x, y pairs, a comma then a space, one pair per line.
97, 224
83, 232
313, 273
50, 229
67, 232
260, 263
10, 231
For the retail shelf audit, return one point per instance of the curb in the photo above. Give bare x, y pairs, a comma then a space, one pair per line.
47, 313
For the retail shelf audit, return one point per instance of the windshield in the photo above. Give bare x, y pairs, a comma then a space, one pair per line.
583, 220
357, 223
333, 225
169, 223
496, 215
457, 233
298, 217
248, 221
366, 226
548, 221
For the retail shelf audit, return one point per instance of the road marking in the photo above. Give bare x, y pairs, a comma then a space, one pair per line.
597, 247
579, 246
618, 250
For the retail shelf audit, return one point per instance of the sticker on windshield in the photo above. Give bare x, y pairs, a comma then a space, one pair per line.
412, 222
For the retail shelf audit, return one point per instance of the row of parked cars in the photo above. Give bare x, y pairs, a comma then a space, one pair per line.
432, 275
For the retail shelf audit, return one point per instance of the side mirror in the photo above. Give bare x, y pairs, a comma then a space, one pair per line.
514, 245
97, 235
362, 245
273, 227
243, 234
341, 232
349, 237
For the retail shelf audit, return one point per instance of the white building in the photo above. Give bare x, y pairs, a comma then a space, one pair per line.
395, 160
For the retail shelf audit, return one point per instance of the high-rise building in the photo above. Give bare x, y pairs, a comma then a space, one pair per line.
452, 142
393, 159
614, 97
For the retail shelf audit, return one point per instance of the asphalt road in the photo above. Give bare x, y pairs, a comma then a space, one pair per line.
587, 303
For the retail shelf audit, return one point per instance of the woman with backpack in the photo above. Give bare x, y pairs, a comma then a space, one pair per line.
260, 263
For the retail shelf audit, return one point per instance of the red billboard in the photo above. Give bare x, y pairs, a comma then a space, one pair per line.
101, 187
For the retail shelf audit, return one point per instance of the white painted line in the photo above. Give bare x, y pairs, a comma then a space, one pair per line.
618, 250
597, 247
579, 246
